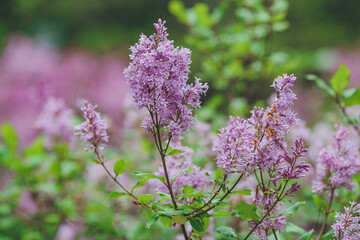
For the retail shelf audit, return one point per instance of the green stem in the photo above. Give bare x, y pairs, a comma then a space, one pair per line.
326, 213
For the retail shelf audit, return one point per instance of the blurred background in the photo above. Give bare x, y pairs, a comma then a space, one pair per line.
56, 54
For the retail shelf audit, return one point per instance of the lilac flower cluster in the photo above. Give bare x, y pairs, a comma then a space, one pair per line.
93, 129
347, 226
55, 122
157, 76
337, 163
258, 144
235, 146
262, 135
182, 171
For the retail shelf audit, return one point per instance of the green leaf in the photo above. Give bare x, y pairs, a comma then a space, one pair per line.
219, 173
166, 221
197, 224
321, 203
116, 194
227, 231
307, 236
293, 209
177, 9
9, 137
188, 189
141, 182
148, 176
145, 198
247, 211
290, 227
350, 99
95, 161
340, 79
151, 221
179, 219
176, 151
246, 192
119, 167
321, 84
221, 213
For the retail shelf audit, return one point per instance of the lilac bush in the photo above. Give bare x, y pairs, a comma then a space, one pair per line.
257, 149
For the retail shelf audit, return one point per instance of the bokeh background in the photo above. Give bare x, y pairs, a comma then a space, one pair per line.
56, 54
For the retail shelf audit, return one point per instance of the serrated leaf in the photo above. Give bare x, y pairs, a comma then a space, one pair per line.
321, 84
145, 198
166, 221
247, 211
119, 167
321, 203
221, 213
197, 224
227, 231
293, 209
307, 236
116, 194
179, 219
340, 79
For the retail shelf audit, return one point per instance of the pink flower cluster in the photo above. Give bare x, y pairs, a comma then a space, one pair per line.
182, 171
347, 226
93, 129
337, 163
157, 76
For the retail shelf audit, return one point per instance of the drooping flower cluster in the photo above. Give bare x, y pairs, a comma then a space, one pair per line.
157, 76
55, 121
182, 171
347, 226
93, 129
337, 163
235, 145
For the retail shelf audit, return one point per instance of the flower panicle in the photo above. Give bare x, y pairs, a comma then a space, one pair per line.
93, 129
157, 76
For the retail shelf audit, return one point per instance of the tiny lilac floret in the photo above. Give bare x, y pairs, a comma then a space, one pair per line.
157, 76
93, 129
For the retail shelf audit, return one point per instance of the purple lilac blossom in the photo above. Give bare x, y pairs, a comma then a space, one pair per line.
259, 144
337, 163
235, 146
183, 170
93, 129
347, 226
55, 122
157, 76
